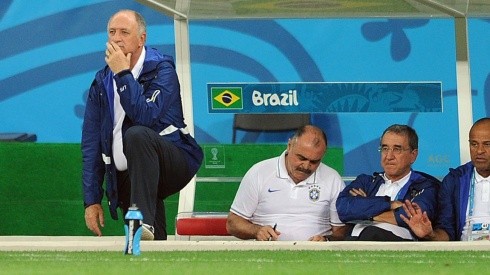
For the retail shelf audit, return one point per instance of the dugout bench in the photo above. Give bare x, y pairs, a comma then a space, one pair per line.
41, 193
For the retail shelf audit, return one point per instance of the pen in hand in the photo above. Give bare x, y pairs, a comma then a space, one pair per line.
273, 228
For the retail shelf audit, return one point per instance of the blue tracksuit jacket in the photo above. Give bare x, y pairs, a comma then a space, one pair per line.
453, 200
153, 100
421, 188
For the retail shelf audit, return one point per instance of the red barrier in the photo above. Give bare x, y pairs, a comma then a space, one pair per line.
202, 226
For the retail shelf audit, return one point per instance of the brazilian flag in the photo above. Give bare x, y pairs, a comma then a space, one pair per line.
226, 98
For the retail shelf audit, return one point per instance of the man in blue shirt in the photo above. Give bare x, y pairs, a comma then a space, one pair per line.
373, 203
464, 198
134, 132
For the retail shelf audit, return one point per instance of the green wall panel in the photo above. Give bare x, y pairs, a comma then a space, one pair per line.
41, 193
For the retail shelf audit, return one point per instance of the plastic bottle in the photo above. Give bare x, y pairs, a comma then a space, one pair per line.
133, 229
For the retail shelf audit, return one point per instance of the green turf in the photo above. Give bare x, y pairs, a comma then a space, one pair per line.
247, 262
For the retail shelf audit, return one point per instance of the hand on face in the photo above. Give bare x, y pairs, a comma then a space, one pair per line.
116, 59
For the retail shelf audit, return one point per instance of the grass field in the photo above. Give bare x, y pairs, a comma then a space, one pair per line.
246, 262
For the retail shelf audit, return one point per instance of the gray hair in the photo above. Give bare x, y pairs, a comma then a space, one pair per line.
140, 20
310, 128
404, 130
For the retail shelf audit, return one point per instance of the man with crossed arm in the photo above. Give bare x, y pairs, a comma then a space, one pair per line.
374, 202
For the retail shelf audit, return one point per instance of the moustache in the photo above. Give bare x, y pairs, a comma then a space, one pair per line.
302, 170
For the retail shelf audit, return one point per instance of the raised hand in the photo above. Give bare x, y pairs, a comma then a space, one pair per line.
417, 219
116, 59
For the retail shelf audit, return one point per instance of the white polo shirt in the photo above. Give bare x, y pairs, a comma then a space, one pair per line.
268, 196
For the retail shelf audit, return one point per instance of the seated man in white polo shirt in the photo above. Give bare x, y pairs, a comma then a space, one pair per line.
290, 197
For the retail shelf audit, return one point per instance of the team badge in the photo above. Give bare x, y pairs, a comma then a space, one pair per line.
314, 193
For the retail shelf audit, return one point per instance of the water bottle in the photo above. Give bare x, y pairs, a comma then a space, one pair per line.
133, 229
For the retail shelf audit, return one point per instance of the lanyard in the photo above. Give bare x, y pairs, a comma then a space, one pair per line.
472, 196
401, 194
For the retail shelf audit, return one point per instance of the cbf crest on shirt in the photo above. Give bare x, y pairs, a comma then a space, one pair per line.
314, 192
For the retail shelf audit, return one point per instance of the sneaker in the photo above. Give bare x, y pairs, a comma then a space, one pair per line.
148, 232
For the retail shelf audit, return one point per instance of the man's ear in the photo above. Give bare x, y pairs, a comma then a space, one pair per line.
142, 39
288, 146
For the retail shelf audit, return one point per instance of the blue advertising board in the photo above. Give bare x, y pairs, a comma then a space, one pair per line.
325, 97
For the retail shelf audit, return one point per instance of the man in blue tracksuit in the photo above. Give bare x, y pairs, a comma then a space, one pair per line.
464, 198
373, 204
134, 132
